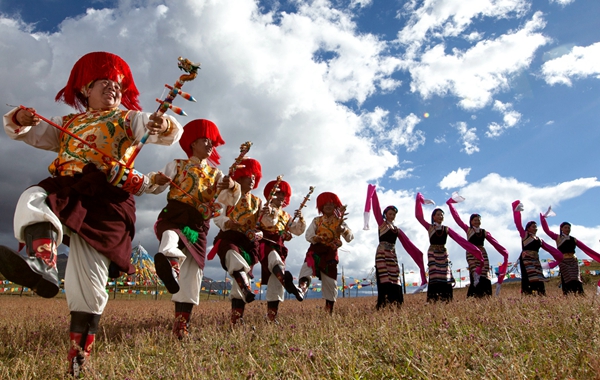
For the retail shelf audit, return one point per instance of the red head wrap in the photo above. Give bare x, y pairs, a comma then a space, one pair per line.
325, 198
284, 187
251, 167
94, 66
198, 129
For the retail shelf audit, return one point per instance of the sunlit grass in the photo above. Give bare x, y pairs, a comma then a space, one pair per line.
552, 337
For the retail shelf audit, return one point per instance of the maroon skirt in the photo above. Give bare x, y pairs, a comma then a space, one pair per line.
238, 242
271, 241
102, 214
176, 216
325, 259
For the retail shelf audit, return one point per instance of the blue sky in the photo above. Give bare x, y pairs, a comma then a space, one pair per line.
495, 99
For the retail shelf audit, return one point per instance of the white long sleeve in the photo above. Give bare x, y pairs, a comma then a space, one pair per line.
47, 137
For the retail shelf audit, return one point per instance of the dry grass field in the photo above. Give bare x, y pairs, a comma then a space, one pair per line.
506, 337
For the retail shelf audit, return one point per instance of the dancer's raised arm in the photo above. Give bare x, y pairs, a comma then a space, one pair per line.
419, 211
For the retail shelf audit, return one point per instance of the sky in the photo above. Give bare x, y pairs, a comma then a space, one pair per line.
497, 100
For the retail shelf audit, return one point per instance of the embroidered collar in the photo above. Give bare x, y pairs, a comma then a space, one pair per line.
199, 162
100, 111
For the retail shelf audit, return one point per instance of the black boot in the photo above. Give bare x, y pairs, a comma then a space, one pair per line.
272, 308
167, 269
237, 311
82, 335
183, 312
329, 306
288, 282
38, 270
241, 279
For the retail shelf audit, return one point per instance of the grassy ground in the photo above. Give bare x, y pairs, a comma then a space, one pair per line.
506, 337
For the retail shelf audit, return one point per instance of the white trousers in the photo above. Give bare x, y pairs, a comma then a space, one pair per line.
328, 284
235, 262
275, 290
85, 277
190, 274
87, 269
31, 209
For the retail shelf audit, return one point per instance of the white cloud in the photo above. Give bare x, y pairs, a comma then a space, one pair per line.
454, 179
579, 63
361, 3
376, 120
476, 74
352, 64
402, 174
404, 133
494, 193
562, 2
474, 36
510, 118
468, 137
445, 18
440, 139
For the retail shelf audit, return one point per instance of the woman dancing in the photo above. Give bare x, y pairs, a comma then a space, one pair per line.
532, 275
570, 277
440, 273
477, 236
389, 288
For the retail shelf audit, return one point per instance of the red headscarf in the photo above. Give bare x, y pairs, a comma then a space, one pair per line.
94, 66
250, 167
325, 198
198, 129
284, 187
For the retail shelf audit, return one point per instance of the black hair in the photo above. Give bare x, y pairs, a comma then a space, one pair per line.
434, 211
473, 216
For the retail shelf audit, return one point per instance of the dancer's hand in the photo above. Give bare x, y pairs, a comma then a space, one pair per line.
26, 117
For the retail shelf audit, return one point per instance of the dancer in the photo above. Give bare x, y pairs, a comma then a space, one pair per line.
477, 236
237, 242
183, 223
532, 274
277, 229
440, 273
387, 271
570, 277
324, 235
96, 217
